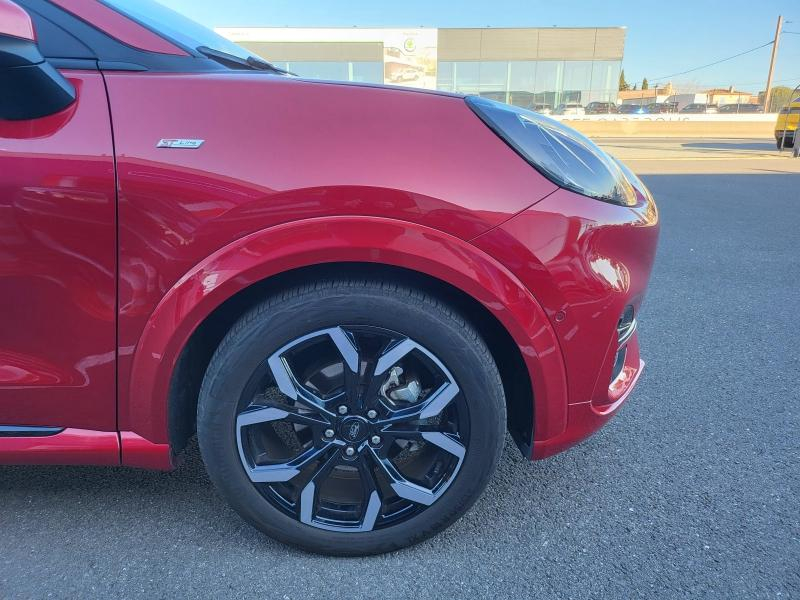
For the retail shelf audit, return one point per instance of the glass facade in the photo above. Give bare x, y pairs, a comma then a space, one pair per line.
527, 84
360, 71
537, 68
546, 83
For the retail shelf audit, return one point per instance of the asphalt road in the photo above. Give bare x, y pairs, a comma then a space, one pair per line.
692, 491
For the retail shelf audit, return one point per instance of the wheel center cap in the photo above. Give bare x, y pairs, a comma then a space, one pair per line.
354, 429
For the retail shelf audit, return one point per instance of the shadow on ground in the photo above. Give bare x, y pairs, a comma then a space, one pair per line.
732, 145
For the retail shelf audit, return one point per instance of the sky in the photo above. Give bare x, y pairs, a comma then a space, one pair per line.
661, 39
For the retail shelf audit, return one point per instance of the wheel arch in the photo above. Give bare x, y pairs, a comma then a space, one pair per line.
190, 321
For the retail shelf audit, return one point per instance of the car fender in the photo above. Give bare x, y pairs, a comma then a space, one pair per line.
265, 253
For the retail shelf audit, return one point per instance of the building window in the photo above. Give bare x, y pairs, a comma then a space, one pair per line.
467, 77
549, 82
521, 86
361, 71
366, 72
533, 84
577, 81
445, 80
493, 80
605, 80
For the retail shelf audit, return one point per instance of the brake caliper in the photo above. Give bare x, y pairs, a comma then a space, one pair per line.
396, 390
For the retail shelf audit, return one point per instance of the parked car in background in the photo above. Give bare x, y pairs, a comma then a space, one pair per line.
632, 109
662, 107
349, 325
786, 124
699, 108
520, 99
601, 108
570, 108
740, 108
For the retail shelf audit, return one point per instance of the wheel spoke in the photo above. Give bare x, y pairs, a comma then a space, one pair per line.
430, 407
308, 497
271, 413
345, 347
260, 415
402, 486
279, 472
355, 382
393, 355
371, 501
372, 498
362, 388
289, 385
446, 442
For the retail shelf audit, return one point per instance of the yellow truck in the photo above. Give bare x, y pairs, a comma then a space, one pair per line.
786, 125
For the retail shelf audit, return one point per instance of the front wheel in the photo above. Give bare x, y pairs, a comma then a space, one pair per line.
351, 417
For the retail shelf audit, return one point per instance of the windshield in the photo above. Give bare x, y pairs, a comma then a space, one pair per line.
176, 27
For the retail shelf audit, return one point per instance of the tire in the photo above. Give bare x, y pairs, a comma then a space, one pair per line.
426, 471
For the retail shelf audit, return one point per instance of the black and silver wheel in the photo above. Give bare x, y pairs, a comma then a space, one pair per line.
351, 417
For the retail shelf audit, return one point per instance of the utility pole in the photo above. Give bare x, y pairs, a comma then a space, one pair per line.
768, 93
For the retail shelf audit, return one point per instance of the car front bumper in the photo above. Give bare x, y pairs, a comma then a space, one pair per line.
585, 261
585, 418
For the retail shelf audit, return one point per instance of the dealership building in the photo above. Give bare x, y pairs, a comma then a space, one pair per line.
523, 66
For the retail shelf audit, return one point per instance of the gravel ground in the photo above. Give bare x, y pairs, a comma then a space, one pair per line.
692, 491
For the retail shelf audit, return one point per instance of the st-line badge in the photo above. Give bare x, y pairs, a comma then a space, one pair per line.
179, 143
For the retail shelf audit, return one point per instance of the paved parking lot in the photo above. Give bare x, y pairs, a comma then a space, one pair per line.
693, 491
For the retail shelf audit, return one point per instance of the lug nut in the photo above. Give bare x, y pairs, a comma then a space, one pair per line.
350, 451
342, 410
375, 439
329, 433
372, 413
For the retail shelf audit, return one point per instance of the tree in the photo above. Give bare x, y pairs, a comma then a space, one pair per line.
623, 85
780, 97
645, 84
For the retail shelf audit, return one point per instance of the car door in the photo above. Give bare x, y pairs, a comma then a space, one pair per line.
58, 264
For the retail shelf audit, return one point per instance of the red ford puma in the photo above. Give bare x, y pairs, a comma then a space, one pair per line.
348, 292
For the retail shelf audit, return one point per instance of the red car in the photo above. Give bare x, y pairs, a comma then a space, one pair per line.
348, 292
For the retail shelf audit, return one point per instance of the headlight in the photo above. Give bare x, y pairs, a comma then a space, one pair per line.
633, 179
564, 156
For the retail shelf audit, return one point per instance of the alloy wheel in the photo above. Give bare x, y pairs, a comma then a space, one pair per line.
352, 428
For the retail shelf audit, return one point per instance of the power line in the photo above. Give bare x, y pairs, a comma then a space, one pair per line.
761, 82
716, 62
